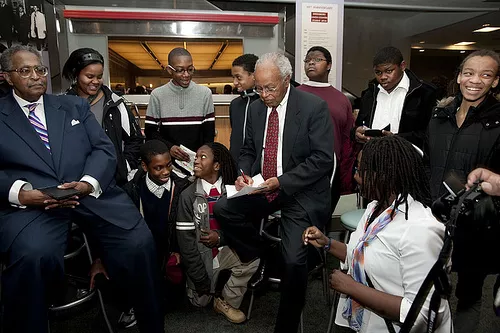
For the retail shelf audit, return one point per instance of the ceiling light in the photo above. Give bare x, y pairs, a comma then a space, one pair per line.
421, 50
464, 43
462, 51
487, 29
422, 42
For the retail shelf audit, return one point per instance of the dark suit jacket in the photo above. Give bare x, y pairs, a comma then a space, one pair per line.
307, 151
79, 147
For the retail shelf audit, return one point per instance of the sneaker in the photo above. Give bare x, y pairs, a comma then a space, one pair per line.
127, 319
233, 315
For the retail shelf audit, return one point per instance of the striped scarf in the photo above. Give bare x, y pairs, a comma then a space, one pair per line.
353, 311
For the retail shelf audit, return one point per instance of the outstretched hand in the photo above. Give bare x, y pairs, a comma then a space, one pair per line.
490, 181
315, 237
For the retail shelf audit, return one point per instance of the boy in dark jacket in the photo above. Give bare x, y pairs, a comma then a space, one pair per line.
244, 81
396, 100
156, 191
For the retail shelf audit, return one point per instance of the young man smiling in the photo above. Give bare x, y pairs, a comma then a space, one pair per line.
181, 112
396, 97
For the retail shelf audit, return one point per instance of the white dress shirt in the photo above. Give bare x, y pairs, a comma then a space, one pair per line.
21, 184
281, 109
390, 105
156, 189
317, 84
207, 186
397, 262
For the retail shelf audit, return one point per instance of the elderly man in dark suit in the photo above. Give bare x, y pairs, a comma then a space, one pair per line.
289, 139
49, 140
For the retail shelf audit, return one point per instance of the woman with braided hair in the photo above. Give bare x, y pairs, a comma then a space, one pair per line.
203, 249
396, 243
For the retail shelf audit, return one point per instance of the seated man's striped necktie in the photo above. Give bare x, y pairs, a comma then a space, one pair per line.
38, 125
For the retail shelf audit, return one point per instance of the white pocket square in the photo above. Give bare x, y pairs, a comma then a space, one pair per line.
74, 122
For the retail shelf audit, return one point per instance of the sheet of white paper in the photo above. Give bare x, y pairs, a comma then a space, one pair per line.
233, 193
257, 180
215, 262
188, 166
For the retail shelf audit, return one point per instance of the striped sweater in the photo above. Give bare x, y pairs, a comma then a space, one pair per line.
179, 115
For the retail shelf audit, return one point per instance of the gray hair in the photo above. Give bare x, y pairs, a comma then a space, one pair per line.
279, 60
7, 55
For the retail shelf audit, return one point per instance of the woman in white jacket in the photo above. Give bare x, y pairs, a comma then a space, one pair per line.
396, 243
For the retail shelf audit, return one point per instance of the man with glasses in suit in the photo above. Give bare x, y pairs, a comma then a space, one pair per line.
289, 140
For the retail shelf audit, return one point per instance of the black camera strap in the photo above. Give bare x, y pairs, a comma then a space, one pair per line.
388, 322
437, 277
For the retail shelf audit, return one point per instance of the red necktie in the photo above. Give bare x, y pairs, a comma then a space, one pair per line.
270, 166
213, 196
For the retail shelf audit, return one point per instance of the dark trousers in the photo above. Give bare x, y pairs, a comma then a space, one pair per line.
469, 292
35, 265
239, 219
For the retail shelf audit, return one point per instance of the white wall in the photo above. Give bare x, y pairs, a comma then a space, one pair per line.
259, 46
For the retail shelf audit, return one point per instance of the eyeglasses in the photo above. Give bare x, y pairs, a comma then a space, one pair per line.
25, 72
189, 70
315, 60
260, 90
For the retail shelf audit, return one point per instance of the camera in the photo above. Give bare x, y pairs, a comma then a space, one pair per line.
472, 211
469, 206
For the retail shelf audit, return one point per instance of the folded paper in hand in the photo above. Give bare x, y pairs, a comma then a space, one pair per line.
257, 185
188, 166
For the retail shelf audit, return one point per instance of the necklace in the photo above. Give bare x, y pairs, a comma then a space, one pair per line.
92, 98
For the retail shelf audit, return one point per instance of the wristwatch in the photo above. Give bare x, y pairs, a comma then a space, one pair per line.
328, 245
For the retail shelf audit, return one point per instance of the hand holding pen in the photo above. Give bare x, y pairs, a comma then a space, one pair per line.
242, 181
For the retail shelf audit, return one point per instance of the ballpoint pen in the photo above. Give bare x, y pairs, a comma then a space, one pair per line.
244, 177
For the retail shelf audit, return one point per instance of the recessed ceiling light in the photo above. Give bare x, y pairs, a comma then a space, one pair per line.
462, 51
422, 42
487, 29
421, 50
464, 43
